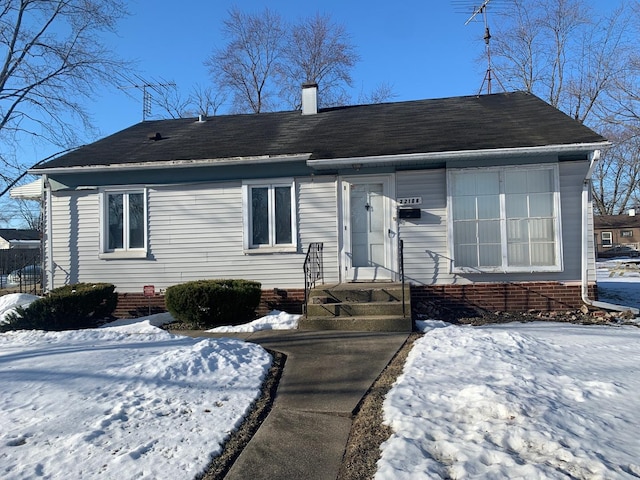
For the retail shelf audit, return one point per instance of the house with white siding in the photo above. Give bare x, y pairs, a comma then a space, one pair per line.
487, 195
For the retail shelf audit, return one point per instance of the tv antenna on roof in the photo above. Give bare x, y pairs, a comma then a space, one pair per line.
488, 76
146, 88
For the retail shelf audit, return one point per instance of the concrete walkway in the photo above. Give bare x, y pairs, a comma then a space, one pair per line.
326, 374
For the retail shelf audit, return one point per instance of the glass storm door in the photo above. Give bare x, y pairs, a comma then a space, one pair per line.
366, 232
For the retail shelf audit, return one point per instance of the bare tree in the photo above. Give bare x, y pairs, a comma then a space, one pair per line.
266, 60
51, 60
201, 100
318, 50
29, 214
616, 178
565, 53
382, 93
247, 66
206, 100
585, 64
172, 103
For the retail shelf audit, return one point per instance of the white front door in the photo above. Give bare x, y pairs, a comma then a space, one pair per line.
367, 228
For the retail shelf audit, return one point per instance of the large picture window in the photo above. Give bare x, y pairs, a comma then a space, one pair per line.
269, 210
505, 219
124, 221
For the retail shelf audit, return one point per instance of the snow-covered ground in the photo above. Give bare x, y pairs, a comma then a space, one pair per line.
617, 284
536, 400
274, 321
121, 402
523, 400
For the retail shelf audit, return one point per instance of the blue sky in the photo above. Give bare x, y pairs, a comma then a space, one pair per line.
421, 48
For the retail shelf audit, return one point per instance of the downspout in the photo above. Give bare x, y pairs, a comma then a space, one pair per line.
586, 186
46, 191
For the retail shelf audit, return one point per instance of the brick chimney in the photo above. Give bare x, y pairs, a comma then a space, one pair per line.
309, 98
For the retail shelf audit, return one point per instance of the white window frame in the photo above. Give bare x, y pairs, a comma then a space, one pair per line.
125, 251
505, 267
247, 215
607, 239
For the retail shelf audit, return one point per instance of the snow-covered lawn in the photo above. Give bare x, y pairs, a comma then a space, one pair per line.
127, 401
528, 401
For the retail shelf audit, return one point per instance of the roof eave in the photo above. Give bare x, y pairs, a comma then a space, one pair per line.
438, 157
157, 165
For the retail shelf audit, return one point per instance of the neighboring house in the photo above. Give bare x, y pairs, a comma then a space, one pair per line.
617, 234
12, 238
490, 195
18, 248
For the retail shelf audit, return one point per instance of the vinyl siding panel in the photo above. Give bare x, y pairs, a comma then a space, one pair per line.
425, 239
318, 221
75, 227
194, 232
571, 180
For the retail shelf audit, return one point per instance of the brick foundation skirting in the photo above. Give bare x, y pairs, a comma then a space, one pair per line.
504, 297
133, 305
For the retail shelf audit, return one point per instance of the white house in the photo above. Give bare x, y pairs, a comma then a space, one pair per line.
489, 195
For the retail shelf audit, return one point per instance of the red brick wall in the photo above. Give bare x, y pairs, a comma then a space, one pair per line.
133, 305
289, 300
505, 297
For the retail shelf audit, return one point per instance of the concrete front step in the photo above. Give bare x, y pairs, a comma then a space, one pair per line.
349, 309
385, 323
359, 292
359, 306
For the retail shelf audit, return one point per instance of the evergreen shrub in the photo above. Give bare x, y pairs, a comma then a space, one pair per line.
211, 303
82, 305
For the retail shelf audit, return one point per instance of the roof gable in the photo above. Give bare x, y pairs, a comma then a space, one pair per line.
507, 120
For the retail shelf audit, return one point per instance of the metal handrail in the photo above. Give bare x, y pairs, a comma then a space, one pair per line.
401, 261
313, 270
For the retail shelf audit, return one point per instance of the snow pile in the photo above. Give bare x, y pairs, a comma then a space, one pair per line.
140, 325
276, 320
537, 400
8, 303
126, 401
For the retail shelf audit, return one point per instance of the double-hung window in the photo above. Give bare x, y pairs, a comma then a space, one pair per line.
607, 239
505, 219
124, 223
269, 215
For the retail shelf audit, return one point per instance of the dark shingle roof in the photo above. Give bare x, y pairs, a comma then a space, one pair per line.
17, 234
616, 221
507, 120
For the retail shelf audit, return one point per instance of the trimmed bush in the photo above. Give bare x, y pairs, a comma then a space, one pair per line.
211, 303
83, 305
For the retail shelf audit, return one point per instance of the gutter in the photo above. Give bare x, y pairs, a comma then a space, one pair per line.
586, 186
410, 158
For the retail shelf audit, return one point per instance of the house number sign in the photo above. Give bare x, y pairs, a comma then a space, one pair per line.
410, 201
